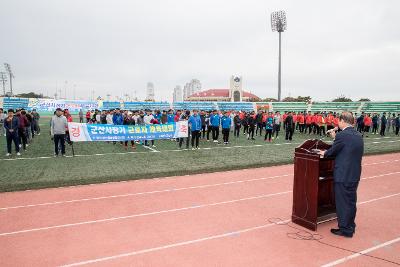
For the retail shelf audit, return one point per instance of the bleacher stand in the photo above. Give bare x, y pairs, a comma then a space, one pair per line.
244, 106
289, 106
379, 107
107, 105
189, 105
335, 106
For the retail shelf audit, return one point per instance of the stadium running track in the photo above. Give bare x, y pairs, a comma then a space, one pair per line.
217, 219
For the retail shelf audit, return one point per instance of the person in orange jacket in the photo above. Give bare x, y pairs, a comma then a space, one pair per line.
329, 121
309, 119
315, 123
300, 121
295, 122
321, 124
336, 121
367, 124
285, 114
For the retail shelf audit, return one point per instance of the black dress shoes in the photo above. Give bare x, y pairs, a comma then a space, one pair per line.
340, 233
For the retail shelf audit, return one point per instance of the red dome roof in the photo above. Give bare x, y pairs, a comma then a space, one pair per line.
220, 93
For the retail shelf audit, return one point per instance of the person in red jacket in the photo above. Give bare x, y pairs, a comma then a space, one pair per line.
329, 121
367, 124
315, 124
68, 116
301, 119
309, 120
177, 116
321, 124
285, 114
295, 122
88, 116
336, 121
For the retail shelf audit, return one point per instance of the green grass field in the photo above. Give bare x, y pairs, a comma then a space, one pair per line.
97, 162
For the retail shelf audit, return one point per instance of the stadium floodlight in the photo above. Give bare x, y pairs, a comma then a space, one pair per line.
3, 78
278, 24
10, 74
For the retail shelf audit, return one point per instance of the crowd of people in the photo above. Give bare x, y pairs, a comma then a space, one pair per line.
19, 127
22, 126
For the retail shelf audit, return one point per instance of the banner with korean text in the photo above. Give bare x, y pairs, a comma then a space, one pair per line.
82, 132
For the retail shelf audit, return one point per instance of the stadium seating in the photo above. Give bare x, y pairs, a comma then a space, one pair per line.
289, 106
335, 106
245, 106
146, 105
379, 107
14, 103
195, 105
111, 105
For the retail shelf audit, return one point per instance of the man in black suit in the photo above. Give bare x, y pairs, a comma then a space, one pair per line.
289, 126
383, 124
348, 149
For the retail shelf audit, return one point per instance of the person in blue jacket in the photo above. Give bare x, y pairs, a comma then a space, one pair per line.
117, 118
170, 116
195, 126
226, 123
215, 121
11, 126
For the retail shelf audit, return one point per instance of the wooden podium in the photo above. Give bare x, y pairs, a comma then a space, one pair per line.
313, 195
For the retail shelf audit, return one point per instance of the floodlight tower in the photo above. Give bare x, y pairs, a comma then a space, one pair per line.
3, 79
10, 74
278, 24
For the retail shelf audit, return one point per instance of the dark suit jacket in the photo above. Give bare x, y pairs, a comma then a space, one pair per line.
348, 149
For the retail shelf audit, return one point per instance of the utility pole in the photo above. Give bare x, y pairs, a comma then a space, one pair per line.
10, 74
65, 90
3, 78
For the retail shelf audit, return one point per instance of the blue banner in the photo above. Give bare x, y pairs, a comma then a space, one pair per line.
105, 132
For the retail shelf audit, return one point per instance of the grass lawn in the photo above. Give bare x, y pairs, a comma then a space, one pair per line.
97, 162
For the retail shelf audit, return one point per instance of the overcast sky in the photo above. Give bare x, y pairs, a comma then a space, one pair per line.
115, 47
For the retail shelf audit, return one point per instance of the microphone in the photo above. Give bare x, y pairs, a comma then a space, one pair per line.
332, 130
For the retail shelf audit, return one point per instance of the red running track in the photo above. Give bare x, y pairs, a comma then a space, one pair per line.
217, 219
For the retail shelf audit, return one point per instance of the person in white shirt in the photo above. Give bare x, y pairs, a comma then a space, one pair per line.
97, 116
2, 119
136, 116
109, 117
148, 119
277, 124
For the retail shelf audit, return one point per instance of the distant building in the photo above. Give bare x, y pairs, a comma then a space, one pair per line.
177, 97
150, 92
191, 87
234, 93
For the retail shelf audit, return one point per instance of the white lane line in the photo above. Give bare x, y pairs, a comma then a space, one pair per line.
361, 253
174, 190
173, 245
77, 155
176, 150
168, 211
145, 193
378, 198
380, 175
188, 242
151, 149
144, 214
